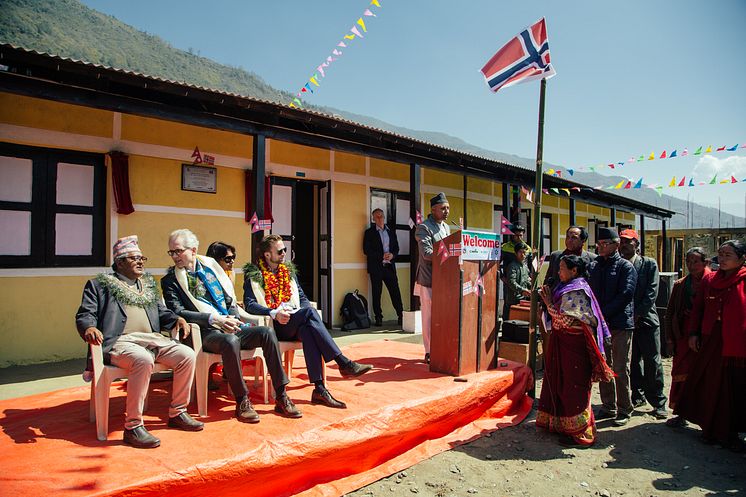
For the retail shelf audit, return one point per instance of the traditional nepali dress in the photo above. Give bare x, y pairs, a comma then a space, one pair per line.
678, 314
573, 361
713, 395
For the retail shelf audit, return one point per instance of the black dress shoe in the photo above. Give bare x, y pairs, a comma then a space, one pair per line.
427, 358
245, 412
285, 407
354, 369
324, 398
185, 422
604, 414
140, 438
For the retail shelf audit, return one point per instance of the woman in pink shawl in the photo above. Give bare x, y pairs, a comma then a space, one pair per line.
574, 356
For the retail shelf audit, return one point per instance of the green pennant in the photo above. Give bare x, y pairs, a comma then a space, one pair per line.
659, 190
699, 151
714, 178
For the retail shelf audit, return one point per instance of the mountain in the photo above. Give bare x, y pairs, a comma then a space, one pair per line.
70, 29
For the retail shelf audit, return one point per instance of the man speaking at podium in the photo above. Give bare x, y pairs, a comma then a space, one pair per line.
431, 231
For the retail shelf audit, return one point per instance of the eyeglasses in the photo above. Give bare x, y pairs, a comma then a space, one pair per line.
172, 253
229, 258
604, 243
137, 258
282, 250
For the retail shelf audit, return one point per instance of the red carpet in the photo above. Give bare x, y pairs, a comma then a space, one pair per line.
398, 414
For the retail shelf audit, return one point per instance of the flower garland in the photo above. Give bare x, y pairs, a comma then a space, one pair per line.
128, 295
276, 286
196, 287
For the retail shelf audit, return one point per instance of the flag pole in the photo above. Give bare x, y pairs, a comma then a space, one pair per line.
533, 332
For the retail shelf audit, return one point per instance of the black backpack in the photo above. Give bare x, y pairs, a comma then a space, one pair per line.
355, 312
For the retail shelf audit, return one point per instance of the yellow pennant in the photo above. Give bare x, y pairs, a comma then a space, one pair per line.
619, 185
652, 156
362, 25
709, 149
375, 2
566, 190
312, 79
350, 37
673, 182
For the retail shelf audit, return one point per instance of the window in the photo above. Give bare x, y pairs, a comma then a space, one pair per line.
546, 235
524, 218
395, 205
52, 209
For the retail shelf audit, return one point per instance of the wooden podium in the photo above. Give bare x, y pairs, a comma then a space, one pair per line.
464, 327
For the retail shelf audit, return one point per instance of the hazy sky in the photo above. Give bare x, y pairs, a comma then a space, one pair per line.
633, 77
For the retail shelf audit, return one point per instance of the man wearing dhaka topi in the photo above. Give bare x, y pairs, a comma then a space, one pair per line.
271, 289
122, 312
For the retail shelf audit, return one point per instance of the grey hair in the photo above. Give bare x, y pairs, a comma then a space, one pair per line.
186, 236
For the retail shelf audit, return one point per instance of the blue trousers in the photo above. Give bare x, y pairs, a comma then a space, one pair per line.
306, 326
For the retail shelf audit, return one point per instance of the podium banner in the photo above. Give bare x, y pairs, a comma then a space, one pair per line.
479, 246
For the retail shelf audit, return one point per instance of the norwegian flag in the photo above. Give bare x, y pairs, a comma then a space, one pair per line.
454, 249
524, 58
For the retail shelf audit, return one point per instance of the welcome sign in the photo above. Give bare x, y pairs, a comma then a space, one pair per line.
479, 246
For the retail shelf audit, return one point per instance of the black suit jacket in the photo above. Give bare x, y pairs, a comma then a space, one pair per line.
178, 301
373, 249
646, 292
100, 309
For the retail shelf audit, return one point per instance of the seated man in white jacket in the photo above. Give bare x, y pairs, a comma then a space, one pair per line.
197, 289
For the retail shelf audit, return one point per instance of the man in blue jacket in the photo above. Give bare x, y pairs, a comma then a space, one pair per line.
613, 281
646, 374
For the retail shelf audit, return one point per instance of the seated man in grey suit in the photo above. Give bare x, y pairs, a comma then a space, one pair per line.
198, 290
123, 313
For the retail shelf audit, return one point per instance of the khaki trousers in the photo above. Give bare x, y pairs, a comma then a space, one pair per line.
616, 395
137, 353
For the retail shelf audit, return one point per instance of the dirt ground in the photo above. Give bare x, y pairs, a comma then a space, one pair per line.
644, 458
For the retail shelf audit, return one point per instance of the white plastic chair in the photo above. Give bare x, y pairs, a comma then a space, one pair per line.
287, 349
103, 376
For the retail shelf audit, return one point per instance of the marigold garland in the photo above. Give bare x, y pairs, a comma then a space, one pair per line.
127, 295
276, 286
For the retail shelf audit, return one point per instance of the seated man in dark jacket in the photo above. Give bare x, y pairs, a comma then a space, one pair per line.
613, 281
646, 373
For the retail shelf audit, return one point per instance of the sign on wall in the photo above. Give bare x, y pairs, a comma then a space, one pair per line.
479, 246
199, 178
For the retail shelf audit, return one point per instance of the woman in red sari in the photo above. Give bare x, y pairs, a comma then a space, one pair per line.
574, 356
713, 395
678, 314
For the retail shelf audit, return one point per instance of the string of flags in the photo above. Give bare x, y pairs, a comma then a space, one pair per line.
259, 224
644, 158
356, 31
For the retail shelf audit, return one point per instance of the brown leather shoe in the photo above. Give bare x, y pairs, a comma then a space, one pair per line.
324, 398
185, 422
285, 407
245, 412
354, 369
140, 438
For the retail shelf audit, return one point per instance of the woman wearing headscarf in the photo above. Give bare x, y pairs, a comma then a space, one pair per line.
678, 314
713, 394
574, 357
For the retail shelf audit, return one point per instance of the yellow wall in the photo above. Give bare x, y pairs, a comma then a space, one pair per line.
298, 155
351, 218
45, 114
389, 170
349, 163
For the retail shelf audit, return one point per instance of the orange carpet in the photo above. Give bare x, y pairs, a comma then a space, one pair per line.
398, 414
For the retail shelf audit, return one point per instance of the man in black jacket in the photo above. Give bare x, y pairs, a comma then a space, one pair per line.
646, 374
381, 248
575, 238
613, 281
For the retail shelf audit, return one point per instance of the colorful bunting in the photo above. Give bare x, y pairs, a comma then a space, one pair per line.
663, 155
709, 149
682, 182
699, 151
673, 154
638, 184
733, 148
714, 179
652, 156
672, 183
691, 181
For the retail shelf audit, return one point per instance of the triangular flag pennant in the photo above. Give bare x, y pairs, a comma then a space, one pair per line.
297, 102
291, 104
307, 87
673, 182
419, 219
663, 155
321, 70
611, 165
724, 181
375, 2
558, 173
255, 228
631, 159
530, 196
709, 149
691, 182
197, 156
410, 223
254, 219
303, 90
683, 181
505, 226
628, 185
571, 172
685, 152
362, 25
641, 158
714, 179
353, 29
555, 191
721, 148
592, 168
313, 79
550, 172
733, 148
733, 179
620, 163
544, 190
336, 52
341, 44
673, 154
638, 184
368, 13
566, 190
619, 185
348, 37
575, 188
652, 156
659, 189
699, 151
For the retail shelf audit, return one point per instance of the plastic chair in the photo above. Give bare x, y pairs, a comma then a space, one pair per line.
287, 349
103, 376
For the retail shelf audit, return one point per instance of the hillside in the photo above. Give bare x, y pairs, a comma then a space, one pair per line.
70, 29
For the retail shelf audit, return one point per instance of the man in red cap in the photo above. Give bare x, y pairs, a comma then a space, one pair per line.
646, 370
